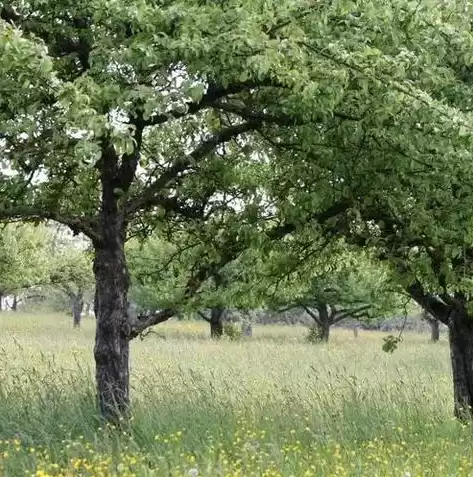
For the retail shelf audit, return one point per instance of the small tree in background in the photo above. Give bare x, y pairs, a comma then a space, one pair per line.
330, 283
71, 272
23, 259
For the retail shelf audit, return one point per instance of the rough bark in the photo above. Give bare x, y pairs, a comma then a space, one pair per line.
77, 308
112, 336
216, 323
461, 352
111, 349
14, 305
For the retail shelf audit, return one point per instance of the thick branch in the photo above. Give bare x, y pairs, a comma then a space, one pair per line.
127, 169
339, 315
146, 321
436, 307
320, 217
76, 224
204, 317
312, 314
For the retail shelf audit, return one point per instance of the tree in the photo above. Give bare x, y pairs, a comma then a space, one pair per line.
401, 177
23, 262
115, 115
71, 272
215, 320
117, 118
330, 282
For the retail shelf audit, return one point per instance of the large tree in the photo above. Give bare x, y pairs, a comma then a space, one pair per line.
402, 175
117, 114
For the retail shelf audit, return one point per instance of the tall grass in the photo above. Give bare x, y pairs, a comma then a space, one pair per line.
272, 405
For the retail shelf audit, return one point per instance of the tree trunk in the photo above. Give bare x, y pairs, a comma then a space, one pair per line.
216, 323
1, 301
434, 325
77, 308
461, 352
434, 330
14, 306
112, 334
324, 332
325, 322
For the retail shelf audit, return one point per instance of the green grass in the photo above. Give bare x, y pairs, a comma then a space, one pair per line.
270, 406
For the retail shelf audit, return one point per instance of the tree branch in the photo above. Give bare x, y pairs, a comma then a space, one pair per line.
152, 195
320, 217
31, 213
339, 315
312, 314
213, 94
204, 317
436, 307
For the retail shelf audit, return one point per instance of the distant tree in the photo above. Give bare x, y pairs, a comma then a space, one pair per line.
331, 284
71, 272
23, 260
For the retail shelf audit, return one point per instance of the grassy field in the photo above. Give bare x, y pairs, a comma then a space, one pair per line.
270, 406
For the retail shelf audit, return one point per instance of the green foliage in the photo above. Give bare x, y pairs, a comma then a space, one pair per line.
366, 105
391, 343
232, 331
314, 335
23, 257
71, 270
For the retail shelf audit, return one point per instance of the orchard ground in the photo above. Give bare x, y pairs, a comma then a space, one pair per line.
269, 406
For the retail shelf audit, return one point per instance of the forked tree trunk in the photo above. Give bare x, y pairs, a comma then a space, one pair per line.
77, 308
434, 330
461, 352
112, 345
216, 323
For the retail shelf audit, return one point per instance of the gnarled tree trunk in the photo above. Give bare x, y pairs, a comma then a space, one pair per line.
111, 349
216, 323
112, 336
77, 308
461, 352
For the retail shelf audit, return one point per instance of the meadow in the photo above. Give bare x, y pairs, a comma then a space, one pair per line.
270, 406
